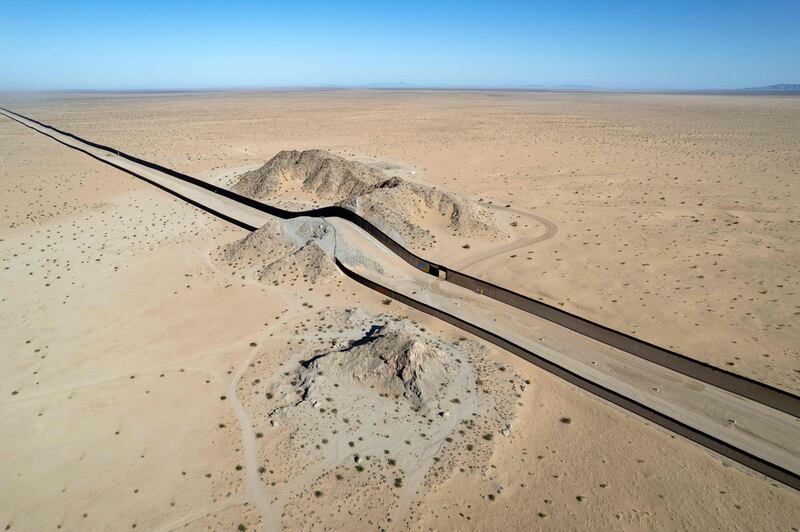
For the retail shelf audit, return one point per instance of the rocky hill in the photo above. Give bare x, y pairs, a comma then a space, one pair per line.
322, 174
409, 212
392, 360
284, 251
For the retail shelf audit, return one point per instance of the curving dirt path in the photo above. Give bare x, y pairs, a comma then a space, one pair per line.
186, 520
255, 486
550, 230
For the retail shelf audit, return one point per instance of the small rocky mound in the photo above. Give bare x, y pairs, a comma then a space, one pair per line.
284, 249
322, 174
404, 210
391, 359
372, 399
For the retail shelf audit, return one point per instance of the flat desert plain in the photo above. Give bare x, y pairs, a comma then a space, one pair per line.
164, 371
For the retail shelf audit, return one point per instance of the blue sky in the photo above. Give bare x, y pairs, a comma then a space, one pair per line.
148, 44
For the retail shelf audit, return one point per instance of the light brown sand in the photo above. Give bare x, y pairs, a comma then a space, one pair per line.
108, 284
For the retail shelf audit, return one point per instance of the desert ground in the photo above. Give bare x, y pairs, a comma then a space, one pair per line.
164, 370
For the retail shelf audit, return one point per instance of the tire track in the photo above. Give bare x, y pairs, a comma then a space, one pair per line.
550, 231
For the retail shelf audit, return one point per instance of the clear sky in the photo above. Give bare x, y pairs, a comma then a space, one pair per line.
148, 44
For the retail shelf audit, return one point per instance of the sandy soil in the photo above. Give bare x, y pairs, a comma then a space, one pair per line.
143, 375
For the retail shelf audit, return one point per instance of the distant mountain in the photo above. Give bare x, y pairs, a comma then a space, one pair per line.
780, 87
389, 85
563, 87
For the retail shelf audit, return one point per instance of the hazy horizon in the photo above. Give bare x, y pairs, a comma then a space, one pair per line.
405, 86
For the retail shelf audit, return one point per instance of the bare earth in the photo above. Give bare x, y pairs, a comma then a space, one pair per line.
149, 381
